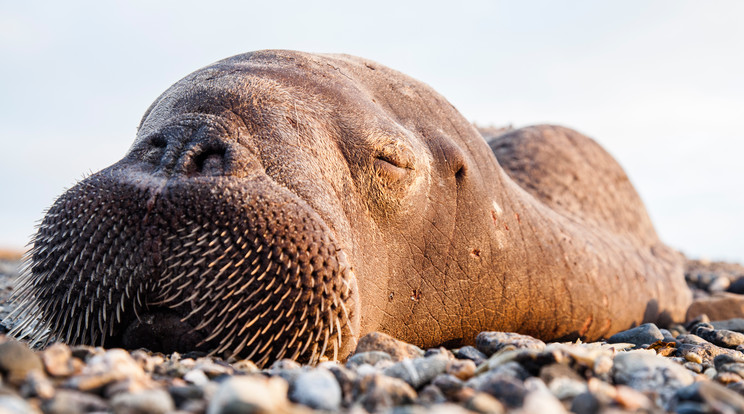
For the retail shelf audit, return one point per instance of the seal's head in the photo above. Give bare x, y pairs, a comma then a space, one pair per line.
258, 192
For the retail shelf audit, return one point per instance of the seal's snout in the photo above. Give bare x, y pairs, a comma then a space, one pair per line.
240, 267
209, 160
194, 145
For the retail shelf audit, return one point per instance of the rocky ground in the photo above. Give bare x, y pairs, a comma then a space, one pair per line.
695, 368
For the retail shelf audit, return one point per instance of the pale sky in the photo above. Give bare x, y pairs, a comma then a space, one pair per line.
660, 84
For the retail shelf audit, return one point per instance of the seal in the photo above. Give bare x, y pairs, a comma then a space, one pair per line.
280, 204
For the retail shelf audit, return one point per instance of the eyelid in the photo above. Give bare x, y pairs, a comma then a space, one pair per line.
389, 170
397, 155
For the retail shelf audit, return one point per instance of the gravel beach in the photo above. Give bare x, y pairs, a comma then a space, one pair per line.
697, 367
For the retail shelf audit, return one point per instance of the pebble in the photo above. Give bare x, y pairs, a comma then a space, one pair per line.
366, 369
10, 404
245, 366
284, 365
37, 385
369, 357
715, 395
16, 361
71, 401
346, 379
736, 368
481, 402
694, 358
419, 371
440, 351
737, 387
644, 371
449, 385
58, 360
641, 335
398, 350
250, 394
694, 367
668, 336
562, 381
727, 377
735, 324
84, 352
602, 365
737, 286
286, 371
143, 402
551, 372
430, 395
196, 377
116, 363
690, 407
508, 390
511, 369
632, 400
213, 369
567, 388
378, 392
316, 388
539, 399
723, 359
719, 284
586, 403
491, 342
182, 394
700, 318
462, 369
720, 337
706, 351
603, 391
446, 408
471, 353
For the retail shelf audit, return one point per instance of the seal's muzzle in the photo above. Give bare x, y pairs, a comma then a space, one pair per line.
244, 268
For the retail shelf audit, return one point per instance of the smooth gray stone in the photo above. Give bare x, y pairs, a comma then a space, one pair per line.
492, 342
317, 389
418, 372
645, 334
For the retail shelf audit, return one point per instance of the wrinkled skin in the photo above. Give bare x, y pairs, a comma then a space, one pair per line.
383, 207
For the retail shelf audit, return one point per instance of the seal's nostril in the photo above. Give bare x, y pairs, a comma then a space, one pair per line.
154, 149
158, 141
210, 161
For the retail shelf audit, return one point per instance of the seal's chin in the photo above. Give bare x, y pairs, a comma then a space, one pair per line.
161, 330
245, 269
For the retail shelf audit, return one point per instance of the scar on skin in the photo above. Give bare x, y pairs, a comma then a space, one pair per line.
587, 324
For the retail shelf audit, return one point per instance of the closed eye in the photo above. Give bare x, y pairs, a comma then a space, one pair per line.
396, 161
391, 169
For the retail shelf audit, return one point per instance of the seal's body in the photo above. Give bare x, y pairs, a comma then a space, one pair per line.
281, 204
